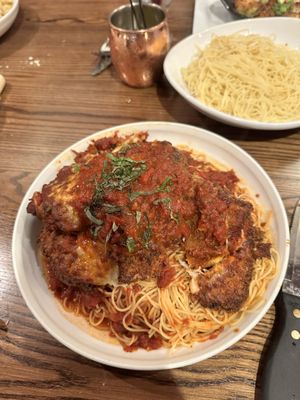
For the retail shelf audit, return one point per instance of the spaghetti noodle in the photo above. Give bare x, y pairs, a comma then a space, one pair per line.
248, 76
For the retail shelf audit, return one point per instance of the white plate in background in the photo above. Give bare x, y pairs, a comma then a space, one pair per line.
284, 30
208, 13
8, 19
44, 306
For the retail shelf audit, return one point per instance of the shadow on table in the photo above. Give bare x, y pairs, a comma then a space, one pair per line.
258, 385
278, 370
152, 384
18, 34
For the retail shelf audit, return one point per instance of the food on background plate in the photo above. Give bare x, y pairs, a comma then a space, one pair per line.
5, 6
247, 76
268, 8
153, 243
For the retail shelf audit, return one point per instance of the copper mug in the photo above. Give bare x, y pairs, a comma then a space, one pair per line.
139, 43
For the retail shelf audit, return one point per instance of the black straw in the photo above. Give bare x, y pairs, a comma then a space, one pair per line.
142, 13
133, 14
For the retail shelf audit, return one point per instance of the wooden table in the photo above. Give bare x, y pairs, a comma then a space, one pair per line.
51, 101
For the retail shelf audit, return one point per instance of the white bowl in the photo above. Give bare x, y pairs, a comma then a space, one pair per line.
8, 19
46, 309
285, 30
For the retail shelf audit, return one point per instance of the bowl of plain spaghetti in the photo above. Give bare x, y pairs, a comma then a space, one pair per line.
245, 73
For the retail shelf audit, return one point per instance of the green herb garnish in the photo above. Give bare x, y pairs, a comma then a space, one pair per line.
123, 150
164, 187
75, 168
111, 208
95, 229
123, 172
281, 8
92, 218
98, 222
167, 202
130, 243
146, 236
98, 194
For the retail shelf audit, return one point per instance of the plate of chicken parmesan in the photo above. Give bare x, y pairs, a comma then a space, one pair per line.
150, 245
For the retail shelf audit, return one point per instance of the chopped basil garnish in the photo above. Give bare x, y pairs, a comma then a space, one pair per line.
123, 172
111, 208
92, 218
130, 243
146, 236
281, 8
164, 187
98, 222
123, 150
75, 168
98, 194
167, 202
94, 230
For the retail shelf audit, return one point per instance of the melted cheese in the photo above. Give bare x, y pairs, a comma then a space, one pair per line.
91, 264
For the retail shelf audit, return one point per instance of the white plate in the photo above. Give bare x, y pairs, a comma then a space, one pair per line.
8, 19
285, 30
208, 13
43, 304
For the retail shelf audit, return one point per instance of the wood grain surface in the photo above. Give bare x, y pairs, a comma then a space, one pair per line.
49, 104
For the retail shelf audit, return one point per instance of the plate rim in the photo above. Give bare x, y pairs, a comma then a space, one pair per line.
153, 364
